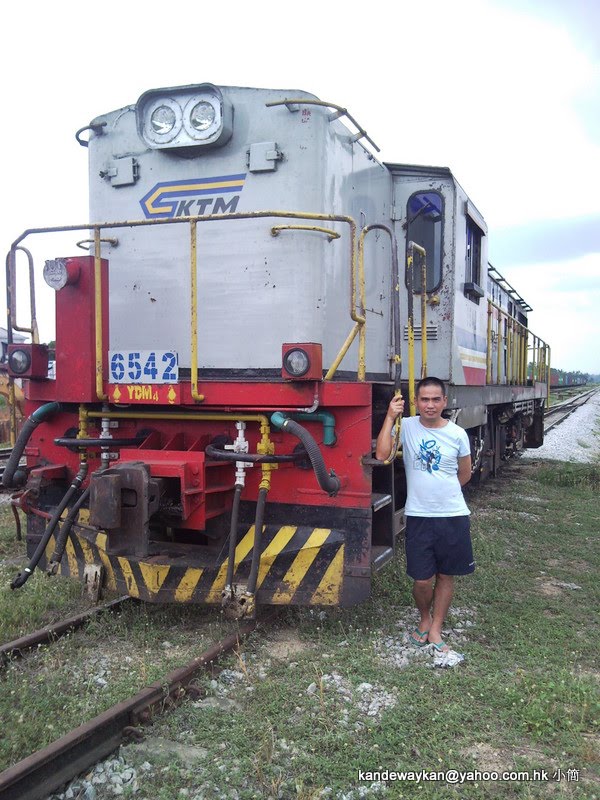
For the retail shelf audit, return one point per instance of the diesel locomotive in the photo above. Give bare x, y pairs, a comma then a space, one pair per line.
254, 287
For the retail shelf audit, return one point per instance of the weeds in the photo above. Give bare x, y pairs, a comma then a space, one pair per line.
561, 473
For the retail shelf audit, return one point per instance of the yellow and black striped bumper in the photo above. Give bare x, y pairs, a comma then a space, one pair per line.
299, 565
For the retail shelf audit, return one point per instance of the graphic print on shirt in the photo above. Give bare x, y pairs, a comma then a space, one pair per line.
428, 457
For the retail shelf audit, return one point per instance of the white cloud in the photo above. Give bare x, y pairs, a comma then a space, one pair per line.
565, 314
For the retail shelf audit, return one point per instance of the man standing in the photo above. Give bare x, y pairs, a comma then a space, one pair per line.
437, 461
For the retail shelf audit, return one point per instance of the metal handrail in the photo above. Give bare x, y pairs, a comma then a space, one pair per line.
11, 265
331, 234
340, 111
396, 329
411, 247
11, 322
516, 339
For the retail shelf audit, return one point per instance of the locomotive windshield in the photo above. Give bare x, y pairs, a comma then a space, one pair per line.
425, 215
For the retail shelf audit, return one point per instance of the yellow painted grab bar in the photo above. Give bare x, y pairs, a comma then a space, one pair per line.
412, 246
276, 230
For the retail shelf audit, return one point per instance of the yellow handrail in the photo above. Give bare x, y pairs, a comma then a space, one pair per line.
98, 315
424, 316
516, 339
11, 263
412, 246
488, 360
360, 326
331, 234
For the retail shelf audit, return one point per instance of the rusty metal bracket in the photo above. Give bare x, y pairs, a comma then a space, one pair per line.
237, 602
93, 578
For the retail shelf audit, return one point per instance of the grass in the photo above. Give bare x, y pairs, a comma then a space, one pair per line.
291, 716
42, 600
586, 476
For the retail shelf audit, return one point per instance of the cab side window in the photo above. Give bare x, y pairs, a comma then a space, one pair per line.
425, 215
473, 288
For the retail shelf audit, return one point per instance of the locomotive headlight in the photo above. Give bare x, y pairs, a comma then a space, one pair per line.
185, 117
28, 360
302, 361
296, 363
19, 362
163, 120
202, 115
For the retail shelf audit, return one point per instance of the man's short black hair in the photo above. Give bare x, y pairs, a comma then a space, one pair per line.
431, 381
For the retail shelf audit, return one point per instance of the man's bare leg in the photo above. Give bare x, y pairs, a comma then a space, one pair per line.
423, 594
442, 597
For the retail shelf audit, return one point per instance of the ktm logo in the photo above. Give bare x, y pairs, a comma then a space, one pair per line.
194, 197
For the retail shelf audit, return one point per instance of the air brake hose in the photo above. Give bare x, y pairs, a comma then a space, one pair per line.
65, 530
233, 534
39, 415
258, 530
22, 577
255, 458
330, 483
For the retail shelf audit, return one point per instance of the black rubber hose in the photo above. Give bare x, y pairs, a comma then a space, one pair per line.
24, 576
65, 530
233, 533
30, 424
256, 552
75, 443
17, 522
255, 458
329, 482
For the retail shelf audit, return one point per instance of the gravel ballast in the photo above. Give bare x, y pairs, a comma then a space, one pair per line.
575, 439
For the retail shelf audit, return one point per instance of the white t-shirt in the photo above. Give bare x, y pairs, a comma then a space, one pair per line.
431, 463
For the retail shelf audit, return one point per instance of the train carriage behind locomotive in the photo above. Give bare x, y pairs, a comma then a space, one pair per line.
246, 292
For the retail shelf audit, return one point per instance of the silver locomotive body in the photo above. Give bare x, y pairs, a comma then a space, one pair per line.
255, 289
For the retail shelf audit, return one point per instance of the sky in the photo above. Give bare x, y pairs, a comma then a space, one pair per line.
504, 92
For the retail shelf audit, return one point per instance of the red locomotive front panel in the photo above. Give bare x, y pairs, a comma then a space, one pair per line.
158, 518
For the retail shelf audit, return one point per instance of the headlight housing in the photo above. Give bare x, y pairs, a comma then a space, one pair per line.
19, 361
302, 362
296, 362
163, 120
184, 117
28, 360
202, 115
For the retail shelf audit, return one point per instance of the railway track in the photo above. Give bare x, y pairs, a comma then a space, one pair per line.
558, 413
51, 633
44, 771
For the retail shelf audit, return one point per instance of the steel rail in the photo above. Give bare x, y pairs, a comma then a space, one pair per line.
38, 775
565, 409
49, 634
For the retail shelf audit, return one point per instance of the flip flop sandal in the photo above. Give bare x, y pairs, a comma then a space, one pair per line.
417, 642
439, 646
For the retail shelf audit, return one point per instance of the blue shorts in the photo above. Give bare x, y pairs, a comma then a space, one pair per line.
438, 545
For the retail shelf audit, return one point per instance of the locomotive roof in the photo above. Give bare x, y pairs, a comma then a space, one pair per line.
420, 169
